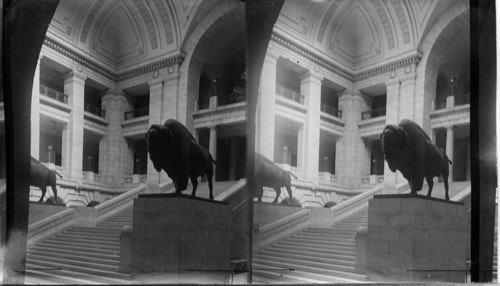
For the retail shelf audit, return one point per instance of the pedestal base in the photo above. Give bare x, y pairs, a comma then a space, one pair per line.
174, 233
416, 238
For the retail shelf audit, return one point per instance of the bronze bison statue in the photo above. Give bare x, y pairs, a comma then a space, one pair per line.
41, 177
407, 148
268, 174
172, 148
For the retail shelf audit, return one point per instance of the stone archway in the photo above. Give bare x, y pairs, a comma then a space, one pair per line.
212, 28
437, 43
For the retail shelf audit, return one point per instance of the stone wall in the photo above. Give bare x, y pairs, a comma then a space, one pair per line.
39, 211
415, 237
177, 233
266, 213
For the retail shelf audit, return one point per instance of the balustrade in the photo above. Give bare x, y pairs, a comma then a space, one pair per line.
137, 113
94, 110
54, 94
289, 94
373, 113
331, 110
458, 100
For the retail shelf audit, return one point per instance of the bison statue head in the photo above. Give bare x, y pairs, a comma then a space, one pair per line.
394, 141
159, 141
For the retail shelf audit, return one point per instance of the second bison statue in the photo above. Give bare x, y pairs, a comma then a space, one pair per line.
268, 174
172, 148
41, 177
407, 148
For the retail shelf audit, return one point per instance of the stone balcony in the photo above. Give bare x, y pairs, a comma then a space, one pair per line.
372, 127
457, 115
221, 115
331, 124
135, 127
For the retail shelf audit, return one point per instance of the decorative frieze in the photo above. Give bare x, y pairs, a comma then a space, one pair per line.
149, 23
94, 66
385, 22
311, 56
165, 18
320, 61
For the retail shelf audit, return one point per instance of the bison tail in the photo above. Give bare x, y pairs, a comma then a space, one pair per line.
449, 161
60, 176
291, 174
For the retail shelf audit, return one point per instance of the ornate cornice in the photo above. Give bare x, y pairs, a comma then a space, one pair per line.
319, 60
92, 65
78, 58
389, 67
311, 56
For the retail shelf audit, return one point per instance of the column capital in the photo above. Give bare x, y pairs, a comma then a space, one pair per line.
155, 82
72, 76
271, 58
310, 76
113, 94
448, 127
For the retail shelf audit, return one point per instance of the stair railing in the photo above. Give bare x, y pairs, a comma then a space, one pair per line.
69, 217
124, 200
51, 225
281, 228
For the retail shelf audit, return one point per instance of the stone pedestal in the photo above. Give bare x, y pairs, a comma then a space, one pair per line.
175, 233
415, 238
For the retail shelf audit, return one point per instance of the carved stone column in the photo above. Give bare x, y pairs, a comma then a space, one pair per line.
35, 114
308, 144
115, 156
352, 157
72, 146
213, 147
449, 148
266, 108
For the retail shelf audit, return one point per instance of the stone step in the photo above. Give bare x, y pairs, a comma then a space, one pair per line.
97, 230
79, 255
84, 241
304, 257
97, 237
320, 234
91, 234
331, 230
274, 276
34, 258
324, 238
310, 269
315, 254
82, 244
314, 245
318, 265
42, 275
321, 242
316, 250
57, 256
94, 269
86, 249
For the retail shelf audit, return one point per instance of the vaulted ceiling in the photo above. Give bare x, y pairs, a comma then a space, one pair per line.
360, 33
123, 33
354, 34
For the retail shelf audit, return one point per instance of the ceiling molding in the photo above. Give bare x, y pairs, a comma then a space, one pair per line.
319, 60
94, 66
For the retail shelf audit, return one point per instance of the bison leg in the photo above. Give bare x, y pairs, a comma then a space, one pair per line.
210, 187
278, 192
194, 181
430, 182
445, 179
44, 190
289, 190
259, 192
